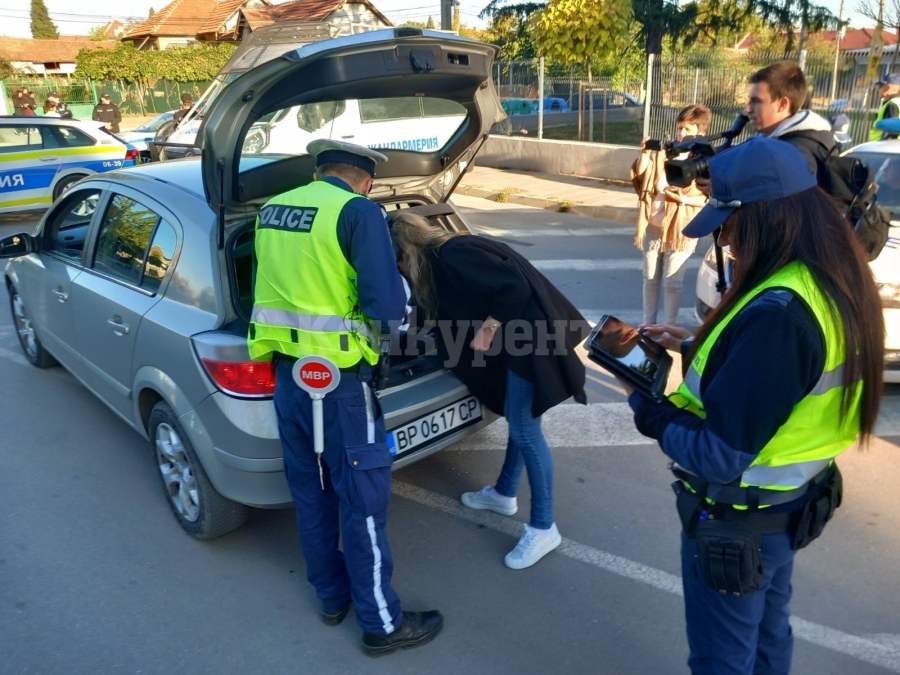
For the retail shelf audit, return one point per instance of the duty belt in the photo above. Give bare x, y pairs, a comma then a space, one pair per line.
752, 496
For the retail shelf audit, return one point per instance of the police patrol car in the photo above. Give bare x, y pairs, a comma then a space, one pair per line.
41, 157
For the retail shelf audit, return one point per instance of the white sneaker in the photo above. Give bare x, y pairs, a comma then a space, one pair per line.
533, 546
489, 499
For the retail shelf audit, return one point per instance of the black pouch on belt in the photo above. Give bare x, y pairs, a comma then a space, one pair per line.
729, 557
818, 511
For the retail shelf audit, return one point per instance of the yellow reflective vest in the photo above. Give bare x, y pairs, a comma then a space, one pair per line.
877, 134
305, 298
813, 435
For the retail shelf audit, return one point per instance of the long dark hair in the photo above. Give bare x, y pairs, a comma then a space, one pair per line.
807, 227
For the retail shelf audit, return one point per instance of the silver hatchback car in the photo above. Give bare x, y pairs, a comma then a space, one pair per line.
139, 282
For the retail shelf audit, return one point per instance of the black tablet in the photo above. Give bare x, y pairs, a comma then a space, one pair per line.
630, 356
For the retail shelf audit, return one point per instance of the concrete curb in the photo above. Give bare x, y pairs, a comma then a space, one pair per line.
622, 214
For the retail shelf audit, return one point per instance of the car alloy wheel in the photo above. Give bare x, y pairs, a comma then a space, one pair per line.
24, 327
28, 338
177, 473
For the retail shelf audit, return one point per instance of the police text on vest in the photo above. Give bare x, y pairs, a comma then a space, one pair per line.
291, 218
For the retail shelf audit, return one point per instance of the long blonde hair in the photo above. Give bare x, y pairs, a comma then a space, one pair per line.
416, 237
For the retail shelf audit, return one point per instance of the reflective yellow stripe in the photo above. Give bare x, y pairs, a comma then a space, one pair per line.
31, 200
65, 152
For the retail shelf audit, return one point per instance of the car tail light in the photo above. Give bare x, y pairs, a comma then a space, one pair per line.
132, 154
246, 378
227, 361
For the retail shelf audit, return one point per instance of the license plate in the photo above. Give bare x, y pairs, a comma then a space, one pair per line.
434, 426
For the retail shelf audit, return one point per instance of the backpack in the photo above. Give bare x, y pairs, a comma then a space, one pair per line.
852, 184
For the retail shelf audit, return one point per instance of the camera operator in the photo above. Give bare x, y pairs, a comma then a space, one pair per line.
783, 376
663, 212
777, 95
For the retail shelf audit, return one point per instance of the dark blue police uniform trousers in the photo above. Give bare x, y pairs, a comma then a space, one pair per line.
356, 468
750, 635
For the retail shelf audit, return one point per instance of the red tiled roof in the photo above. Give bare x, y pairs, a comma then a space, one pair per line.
223, 11
186, 18
855, 38
63, 50
189, 18
305, 10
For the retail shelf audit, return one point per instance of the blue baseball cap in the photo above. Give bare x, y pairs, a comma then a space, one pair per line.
761, 169
890, 78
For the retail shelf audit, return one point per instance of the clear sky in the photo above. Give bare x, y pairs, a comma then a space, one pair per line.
73, 18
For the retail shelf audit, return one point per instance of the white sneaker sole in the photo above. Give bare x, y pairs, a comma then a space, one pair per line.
523, 564
472, 503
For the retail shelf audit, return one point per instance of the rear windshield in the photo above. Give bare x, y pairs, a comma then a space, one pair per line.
405, 123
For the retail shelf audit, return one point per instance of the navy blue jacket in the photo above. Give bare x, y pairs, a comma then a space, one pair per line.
364, 238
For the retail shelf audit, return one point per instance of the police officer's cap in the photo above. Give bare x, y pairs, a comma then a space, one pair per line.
327, 151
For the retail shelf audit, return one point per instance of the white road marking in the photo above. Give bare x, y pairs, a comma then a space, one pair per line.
604, 265
524, 233
880, 651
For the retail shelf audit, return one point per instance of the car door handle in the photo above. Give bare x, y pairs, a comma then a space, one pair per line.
49, 159
350, 136
120, 328
60, 294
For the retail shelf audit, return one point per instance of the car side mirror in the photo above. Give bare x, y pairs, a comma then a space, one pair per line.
16, 245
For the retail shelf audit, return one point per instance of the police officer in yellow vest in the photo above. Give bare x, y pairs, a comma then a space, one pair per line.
889, 90
326, 283
783, 376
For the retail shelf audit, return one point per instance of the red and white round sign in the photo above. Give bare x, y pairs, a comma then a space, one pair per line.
316, 375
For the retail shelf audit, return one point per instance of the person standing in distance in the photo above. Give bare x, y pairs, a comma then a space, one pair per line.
663, 212
187, 102
326, 283
107, 112
889, 90
782, 377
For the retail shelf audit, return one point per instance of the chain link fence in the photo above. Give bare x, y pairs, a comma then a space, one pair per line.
611, 109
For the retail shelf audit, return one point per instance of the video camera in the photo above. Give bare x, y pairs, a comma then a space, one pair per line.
682, 172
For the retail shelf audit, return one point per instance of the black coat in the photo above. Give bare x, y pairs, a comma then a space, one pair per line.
475, 277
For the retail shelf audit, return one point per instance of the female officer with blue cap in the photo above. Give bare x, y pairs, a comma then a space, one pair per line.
783, 376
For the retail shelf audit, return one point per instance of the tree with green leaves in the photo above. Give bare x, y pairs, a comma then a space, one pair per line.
430, 23
6, 68
99, 33
42, 26
579, 31
152, 12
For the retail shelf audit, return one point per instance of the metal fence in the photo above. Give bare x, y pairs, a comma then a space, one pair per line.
575, 108
133, 98
611, 109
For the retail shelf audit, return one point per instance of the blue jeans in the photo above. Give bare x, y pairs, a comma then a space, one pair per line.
740, 636
526, 448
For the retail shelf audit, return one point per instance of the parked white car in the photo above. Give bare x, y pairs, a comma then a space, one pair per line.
884, 157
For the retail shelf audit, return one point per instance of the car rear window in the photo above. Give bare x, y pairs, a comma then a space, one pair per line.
407, 123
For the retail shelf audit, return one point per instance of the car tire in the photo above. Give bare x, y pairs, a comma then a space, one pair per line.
146, 158
63, 185
200, 510
28, 339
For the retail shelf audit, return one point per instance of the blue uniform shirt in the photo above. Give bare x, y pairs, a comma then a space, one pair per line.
363, 236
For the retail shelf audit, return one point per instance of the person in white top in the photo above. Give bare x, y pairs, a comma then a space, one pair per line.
663, 212
50, 109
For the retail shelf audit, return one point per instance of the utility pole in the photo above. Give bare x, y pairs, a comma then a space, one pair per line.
837, 51
446, 14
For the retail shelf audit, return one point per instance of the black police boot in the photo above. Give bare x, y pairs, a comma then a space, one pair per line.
334, 618
417, 629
